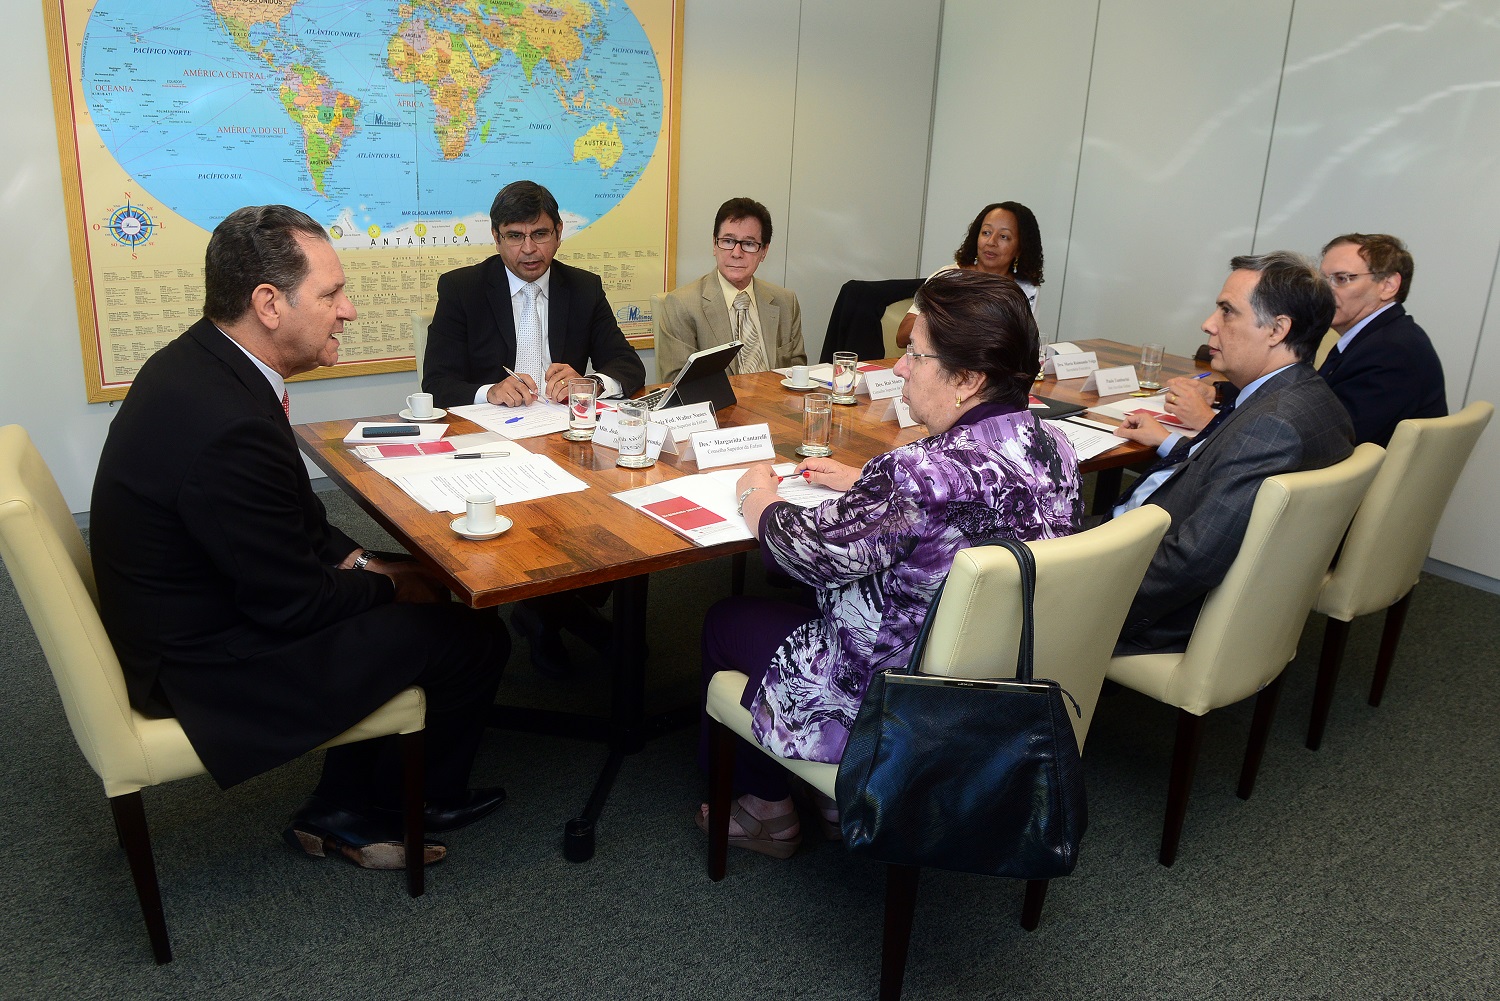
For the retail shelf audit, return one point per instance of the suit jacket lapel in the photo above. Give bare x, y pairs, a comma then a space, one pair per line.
207, 334
497, 291
1262, 395
714, 308
770, 321
558, 301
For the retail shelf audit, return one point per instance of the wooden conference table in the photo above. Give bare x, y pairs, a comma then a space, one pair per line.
574, 540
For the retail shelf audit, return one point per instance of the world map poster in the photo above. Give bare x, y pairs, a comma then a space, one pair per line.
391, 123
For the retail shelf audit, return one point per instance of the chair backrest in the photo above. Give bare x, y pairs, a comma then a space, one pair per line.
1324, 347
419, 324
50, 565
1248, 629
1393, 528
1084, 586
890, 324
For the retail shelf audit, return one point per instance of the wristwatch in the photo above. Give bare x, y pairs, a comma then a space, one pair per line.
362, 561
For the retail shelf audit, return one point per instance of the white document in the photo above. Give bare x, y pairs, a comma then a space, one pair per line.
685, 420
883, 384
1072, 364
702, 509
1087, 442
733, 445
538, 417
1112, 381
425, 432
512, 480
1156, 405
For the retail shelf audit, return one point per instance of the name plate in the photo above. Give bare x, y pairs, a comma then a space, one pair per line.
732, 446
607, 433
1073, 365
899, 412
683, 421
883, 384
1112, 381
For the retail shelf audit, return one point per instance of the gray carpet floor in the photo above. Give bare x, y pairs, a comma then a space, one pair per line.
1366, 870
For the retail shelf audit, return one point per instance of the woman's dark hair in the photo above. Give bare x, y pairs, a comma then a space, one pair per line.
1027, 266
982, 323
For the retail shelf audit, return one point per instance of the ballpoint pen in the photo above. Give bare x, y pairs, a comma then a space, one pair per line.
479, 455
513, 375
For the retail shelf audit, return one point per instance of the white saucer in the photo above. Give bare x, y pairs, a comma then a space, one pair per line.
789, 384
460, 524
406, 415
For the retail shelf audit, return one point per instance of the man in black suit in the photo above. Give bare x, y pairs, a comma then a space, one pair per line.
1270, 315
522, 310
548, 322
232, 602
1384, 369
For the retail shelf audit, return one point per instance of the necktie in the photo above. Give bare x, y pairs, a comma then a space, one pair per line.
286, 404
531, 354
1180, 453
753, 355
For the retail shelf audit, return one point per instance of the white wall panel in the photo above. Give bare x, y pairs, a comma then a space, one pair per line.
1008, 120
1390, 123
1179, 119
859, 154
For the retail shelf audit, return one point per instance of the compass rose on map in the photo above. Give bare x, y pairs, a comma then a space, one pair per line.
131, 225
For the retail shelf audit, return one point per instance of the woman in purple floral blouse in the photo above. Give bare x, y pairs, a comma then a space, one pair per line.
875, 556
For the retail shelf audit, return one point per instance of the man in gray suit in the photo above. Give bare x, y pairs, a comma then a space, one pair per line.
1262, 334
730, 303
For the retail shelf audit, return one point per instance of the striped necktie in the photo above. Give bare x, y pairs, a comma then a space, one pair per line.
753, 355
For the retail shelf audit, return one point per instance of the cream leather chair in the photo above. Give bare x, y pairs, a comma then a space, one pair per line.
890, 324
1325, 346
419, 324
1248, 629
1084, 586
46, 557
1388, 542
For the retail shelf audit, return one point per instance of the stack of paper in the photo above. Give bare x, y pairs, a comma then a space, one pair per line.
536, 418
704, 508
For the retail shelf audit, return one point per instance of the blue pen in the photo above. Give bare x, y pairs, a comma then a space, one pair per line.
1204, 375
512, 420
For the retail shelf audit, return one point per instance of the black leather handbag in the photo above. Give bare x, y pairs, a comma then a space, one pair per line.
973, 776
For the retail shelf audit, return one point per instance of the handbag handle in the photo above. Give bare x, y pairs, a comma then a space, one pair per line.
1025, 649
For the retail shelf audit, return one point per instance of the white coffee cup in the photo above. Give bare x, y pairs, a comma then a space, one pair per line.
800, 377
420, 405
480, 514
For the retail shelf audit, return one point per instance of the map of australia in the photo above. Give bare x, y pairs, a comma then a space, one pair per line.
376, 116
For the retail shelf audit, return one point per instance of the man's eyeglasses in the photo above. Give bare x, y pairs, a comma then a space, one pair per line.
912, 355
729, 243
540, 237
1341, 278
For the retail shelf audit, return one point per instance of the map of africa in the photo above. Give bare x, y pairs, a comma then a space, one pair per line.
376, 118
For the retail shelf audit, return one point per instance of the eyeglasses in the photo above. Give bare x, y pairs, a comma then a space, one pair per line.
540, 237
912, 355
729, 243
1341, 278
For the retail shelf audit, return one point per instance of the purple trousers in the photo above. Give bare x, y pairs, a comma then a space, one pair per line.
741, 634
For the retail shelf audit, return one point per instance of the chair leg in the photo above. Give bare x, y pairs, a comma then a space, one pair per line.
130, 825
1335, 638
900, 908
720, 788
737, 574
1184, 762
1260, 731
1031, 907
1395, 619
413, 788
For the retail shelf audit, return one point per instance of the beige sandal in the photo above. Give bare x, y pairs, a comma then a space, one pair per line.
759, 834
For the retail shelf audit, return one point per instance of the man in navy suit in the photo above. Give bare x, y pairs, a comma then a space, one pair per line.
522, 310
548, 322
1384, 369
231, 601
1270, 316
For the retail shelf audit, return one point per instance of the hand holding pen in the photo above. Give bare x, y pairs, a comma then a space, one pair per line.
515, 390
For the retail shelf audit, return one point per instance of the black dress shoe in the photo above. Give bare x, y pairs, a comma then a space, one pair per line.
450, 815
370, 842
548, 655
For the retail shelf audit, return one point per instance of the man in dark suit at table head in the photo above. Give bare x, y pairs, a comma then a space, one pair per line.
1265, 327
1384, 369
730, 303
231, 601
522, 310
